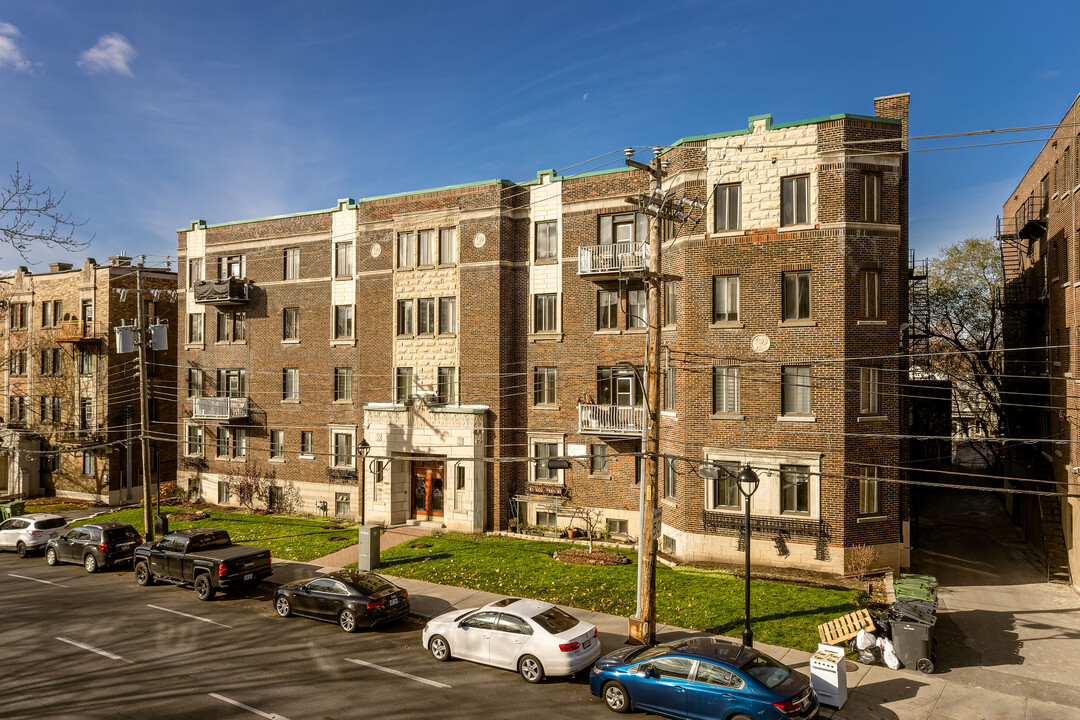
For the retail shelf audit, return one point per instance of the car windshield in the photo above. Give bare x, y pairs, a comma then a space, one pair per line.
555, 621
50, 523
767, 671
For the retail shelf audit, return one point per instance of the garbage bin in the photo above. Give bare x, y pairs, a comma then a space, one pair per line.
369, 547
161, 525
828, 675
18, 507
913, 641
5, 510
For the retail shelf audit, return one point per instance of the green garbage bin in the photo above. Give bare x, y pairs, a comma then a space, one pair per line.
5, 510
17, 507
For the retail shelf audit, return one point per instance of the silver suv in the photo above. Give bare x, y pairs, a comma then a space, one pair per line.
28, 533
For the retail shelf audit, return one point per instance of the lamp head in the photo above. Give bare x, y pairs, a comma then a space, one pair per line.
748, 481
363, 447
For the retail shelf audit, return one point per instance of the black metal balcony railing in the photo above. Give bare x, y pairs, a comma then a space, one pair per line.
230, 291
1030, 216
779, 528
77, 331
341, 475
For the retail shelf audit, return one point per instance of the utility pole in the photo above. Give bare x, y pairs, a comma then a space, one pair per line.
144, 423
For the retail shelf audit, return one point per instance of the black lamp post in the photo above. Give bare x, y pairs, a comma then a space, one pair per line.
362, 449
748, 481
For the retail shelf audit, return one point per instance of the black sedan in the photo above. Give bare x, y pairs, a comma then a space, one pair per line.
94, 546
351, 598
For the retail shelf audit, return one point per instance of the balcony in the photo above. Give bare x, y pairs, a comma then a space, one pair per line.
620, 420
219, 408
1030, 217
230, 291
599, 261
77, 331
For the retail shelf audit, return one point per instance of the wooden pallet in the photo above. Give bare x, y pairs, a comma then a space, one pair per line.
844, 628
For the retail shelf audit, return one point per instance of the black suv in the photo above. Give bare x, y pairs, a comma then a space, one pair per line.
95, 546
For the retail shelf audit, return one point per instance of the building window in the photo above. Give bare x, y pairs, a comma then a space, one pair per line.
447, 386
46, 407
671, 315
871, 197
598, 459
195, 382
870, 287
547, 519
795, 200
544, 316
223, 440
725, 488
448, 246
794, 489
618, 386
725, 389
405, 317
343, 259
233, 266
86, 413
290, 384
669, 389
88, 464
668, 544
343, 449
447, 315
343, 322
607, 309
86, 361
17, 316
425, 316
727, 207
796, 293
544, 379
18, 362
239, 327
223, 493
795, 390
403, 384
56, 406
547, 240
307, 442
240, 442
46, 313
459, 487
194, 440
341, 504
343, 384
195, 328
222, 334
869, 491
406, 244
195, 271
869, 390
670, 480
637, 310
231, 382
617, 527
541, 452
725, 293
290, 324
291, 270
277, 443
426, 247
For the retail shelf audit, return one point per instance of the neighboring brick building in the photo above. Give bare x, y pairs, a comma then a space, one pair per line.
71, 400
456, 329
1041, 324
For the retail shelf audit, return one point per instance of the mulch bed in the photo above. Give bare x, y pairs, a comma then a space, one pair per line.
197, 515
580, 556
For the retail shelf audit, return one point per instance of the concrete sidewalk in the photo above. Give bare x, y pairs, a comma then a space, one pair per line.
874, 692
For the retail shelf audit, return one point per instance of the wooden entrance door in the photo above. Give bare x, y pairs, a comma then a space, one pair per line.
427, 488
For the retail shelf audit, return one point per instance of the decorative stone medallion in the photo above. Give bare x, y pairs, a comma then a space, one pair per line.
480, 240
760, 343
376, 250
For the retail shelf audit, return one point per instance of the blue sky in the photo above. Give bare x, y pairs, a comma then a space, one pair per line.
149, 115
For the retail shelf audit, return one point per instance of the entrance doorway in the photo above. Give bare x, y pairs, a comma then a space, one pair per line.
427, 489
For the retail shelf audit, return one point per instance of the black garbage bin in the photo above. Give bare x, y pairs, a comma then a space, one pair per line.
161, 525
913, 641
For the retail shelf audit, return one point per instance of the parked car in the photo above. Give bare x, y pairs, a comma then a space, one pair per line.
29, 533
351, 598
702, 677
204, 557
95, 546
535, 638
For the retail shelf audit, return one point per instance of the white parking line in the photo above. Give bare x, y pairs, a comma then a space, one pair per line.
269, 716
193, 617
91, 648
432, 683
25, 577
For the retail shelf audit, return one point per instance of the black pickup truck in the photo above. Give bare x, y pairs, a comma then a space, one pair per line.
204, 557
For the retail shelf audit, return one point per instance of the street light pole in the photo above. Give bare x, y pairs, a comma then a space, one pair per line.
362, 449
747, 481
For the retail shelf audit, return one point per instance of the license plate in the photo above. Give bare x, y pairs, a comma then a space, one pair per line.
586, 645
249, 576
394, 601
125, 546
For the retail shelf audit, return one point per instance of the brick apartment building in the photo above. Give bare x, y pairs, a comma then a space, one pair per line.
71, 400
468, 333
1041, 326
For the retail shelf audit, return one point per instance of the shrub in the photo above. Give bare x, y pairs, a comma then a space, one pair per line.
859, 560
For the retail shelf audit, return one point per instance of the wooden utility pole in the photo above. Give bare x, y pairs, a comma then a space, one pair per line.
144, 422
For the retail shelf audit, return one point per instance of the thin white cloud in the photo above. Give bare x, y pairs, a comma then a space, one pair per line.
112, 53
10, 54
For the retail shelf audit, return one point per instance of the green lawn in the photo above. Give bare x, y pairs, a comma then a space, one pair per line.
786, 615
286, 536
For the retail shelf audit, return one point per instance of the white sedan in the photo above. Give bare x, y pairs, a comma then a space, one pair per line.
535, 638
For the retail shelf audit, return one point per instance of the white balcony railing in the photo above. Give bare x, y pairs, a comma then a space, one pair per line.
219, 408
612, 258
611, 419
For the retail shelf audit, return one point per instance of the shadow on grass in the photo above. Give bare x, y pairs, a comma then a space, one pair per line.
401, 562
737, 624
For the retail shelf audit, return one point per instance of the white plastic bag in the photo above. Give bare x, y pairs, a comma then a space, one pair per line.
864, 640
889, 655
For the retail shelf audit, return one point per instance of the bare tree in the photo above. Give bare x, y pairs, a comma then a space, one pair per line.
589, 517
31, 216
250, 483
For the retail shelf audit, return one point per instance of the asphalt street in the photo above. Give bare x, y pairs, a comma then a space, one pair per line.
99, 646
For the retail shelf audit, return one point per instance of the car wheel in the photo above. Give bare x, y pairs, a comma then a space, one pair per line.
21, 550
50, 557
142, 574
531, 669
440, 649
204, 589
347, 620
615, 697
90, 563
281, 605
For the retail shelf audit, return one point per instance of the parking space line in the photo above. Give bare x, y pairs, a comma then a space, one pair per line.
269, 716
27, 577
91, 648
193, 617
432, 683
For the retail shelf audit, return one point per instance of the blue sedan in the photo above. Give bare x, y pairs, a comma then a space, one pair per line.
703, 678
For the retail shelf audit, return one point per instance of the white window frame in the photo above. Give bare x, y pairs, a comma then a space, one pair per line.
345, 434
725, 304
538, 456
546, 243
447, 246
797, 188
545, 309
869, 491
796, 379
343, 259
726, 217
290, 384
725, 388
